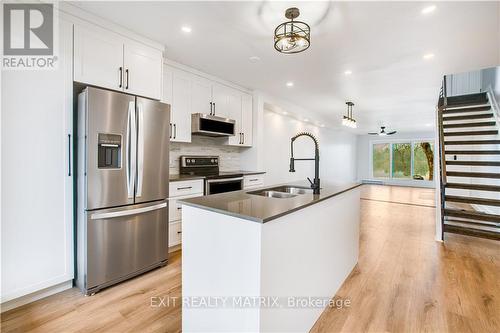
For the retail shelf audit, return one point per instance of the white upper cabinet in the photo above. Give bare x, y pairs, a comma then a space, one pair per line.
201, 95
98, 58
168, 74
220, 99
246, 120
143, 66
240, 107
234, 112
181, 106
107, 60
188, 93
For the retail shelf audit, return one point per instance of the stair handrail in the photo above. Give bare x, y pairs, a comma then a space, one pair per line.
494, 104
442, 104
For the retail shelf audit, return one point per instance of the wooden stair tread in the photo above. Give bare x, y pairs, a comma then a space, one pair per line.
487, 224
479, 124
472, 215
473, 174
470, 116
489, 132
469, 99
472, 200
472, 152
477, 187
473, 142
471, 232
474, 163
470, 109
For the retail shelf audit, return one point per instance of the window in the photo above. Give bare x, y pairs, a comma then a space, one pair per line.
423, 160
403, 160
381, 160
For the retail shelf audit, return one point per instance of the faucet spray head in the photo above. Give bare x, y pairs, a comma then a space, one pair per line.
292, 165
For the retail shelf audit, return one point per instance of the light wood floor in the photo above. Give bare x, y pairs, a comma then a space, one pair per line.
404, 282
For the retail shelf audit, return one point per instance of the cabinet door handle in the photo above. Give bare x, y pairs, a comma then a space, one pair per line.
179, 232
243, 134
69, 155
126, 74
240, 139
211, 104
170, 132
185, 188
121, 77
214, 109
175, 131
179, 208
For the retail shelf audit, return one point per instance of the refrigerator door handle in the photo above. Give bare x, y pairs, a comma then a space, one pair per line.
140, 148
100, 216
131, 149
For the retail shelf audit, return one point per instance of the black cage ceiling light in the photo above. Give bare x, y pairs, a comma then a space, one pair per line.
348, 120
292, 36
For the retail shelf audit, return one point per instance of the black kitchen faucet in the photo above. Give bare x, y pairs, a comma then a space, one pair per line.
315, 185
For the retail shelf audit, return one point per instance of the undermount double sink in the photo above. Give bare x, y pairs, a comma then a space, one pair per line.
282, 192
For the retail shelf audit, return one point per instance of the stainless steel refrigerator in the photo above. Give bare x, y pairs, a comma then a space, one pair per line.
122, 175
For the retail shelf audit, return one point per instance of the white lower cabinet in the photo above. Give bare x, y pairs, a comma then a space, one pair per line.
174, 233
180, 190
253, 181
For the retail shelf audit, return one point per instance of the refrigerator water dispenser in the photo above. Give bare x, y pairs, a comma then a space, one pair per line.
109, 151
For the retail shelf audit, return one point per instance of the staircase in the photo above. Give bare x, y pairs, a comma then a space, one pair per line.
470, 165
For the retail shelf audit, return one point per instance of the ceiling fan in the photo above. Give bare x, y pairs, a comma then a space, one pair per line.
383, 132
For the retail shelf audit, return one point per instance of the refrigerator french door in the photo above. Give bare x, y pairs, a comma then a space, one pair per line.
123, 169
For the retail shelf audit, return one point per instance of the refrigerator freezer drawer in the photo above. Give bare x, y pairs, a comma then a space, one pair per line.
125, 242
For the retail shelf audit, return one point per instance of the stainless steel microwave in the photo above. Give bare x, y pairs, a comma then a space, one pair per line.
208, 125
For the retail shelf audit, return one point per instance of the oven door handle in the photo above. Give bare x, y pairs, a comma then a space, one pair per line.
223, 180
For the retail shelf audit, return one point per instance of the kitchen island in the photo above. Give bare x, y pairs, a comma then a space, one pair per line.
268, 259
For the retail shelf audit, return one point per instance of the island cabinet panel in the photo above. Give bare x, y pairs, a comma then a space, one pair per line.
304, 254
308, 253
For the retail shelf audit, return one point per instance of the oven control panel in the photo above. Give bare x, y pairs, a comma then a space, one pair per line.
199, 161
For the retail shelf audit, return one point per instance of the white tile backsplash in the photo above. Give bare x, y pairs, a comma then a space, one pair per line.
229, 156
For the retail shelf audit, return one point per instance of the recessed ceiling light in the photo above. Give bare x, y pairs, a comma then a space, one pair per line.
321, 125
305, 119
428, 10
348, 72
186, 29
254, 58
289, 84
428, 56
284, 113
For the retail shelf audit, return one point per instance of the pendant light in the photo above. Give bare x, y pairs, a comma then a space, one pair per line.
292, 36
348, 120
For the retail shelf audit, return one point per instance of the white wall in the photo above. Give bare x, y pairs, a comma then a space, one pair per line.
337, 151
363, 155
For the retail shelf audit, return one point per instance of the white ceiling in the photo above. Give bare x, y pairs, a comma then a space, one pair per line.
382, 43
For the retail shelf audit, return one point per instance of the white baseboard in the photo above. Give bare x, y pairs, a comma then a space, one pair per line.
174, 248
12, 304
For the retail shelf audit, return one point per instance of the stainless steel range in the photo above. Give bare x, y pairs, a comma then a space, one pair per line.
208, 166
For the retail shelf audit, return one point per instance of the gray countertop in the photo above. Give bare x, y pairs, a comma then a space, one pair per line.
263, 209
177, 177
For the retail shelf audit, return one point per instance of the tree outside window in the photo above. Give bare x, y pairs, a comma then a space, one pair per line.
403, 160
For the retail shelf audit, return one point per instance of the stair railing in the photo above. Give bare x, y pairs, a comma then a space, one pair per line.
494, 104
442, 104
